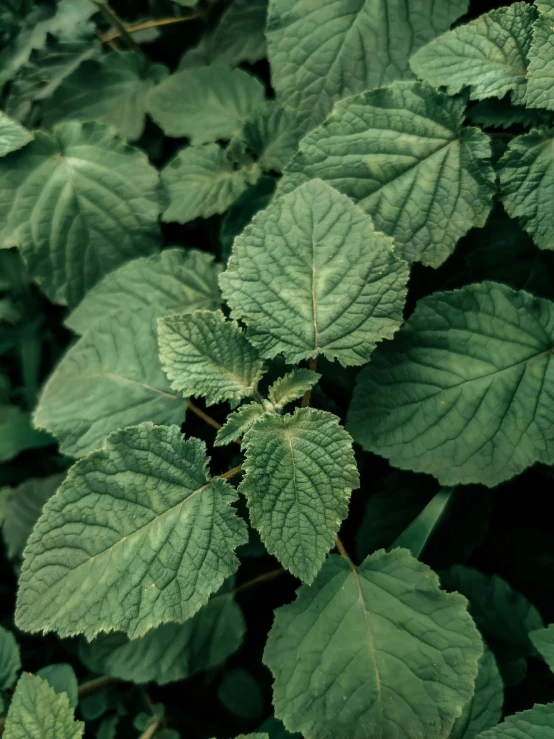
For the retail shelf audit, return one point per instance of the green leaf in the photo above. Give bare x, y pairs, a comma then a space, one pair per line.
276, 730
377, 650
205, 103
322, 53
10, 659
496, 113
283, 275
485, 708
543, 641
171, 651
540, 74
17, 433
271, 135
79, 203
205, 355
464, 389
176, 280
536, 723
13, 135
38, 711
61, 677
237, 423
111, 378
526, 184
292, 386
116, 90
300, 473
201, 181
488, 55
416, 536
402, 154
255, 198
137, 535
240, 693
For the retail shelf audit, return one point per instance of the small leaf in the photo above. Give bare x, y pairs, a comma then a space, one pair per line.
300, 473
270, 134
137, 535
536, 723
283, 275
241, 694
61, 677
13, 135
543, 641
238, 423
205, 103
10, 659
485, 708
276, 730
292, 386
540, 74
373, 651
205, 355
38, 711
496, 113
417, 534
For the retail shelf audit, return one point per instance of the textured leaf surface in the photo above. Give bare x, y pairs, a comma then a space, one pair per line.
10, 659
138, 535
201, 181
176, 280
205, 103
271, 135
203, 354
115, 90
540, 74
374, 651
12, 135
543, 641
284, 274
61, 677
38, 711
488, 55
292, 386
79, 203
321, 53
464, 390
502, 114
401, 153
536, 723
300, 473
237, 423
111, 378
527, 184
485, 708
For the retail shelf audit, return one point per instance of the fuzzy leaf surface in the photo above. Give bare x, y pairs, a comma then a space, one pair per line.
237, 423
536, 723
292, 386
540, 74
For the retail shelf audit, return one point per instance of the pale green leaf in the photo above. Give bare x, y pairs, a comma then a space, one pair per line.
116, 90
201, 181
38, 712
176, 280
503, 114
205, 103
292, 386
402, 154
543, 641
17, 433
137, 535
311, 276
61, 677
13, 135
527, 186
271, 135
485, 708
111, 378
464, 390
416, 536
374, 651
536, 723
205, 355
237, 423
10, 659
300, 473
320, 53
79, 203
540, 74
488, 55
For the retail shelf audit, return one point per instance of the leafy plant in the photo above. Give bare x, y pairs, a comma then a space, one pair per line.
277, 381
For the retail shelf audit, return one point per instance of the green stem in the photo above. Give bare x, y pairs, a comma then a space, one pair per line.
115, 21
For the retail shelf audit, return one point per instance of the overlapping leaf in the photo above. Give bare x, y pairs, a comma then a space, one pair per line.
543, 641
238, 423
271, 135
12, 135
540, 74
10, 659
292, 386
536, 723
485, 708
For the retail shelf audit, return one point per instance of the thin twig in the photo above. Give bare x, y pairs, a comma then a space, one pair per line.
151, 730
265, 577
204, 416
308, 394
342, 550
235, 471
154, 23
114, 20
93, 686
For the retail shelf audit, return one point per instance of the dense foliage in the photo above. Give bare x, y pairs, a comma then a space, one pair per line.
277, 387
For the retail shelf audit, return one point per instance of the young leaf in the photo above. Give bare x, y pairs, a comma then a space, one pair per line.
346, 665
464, 389
182, 280
38, 711
322, 53
138, 535
270, 134
526, 184
300, 473
488, 55
485, 708
115, 90
402, 154
61, 677
536, 723
43, 191
13, 135
205, 103
292, 386
540, 74
311, 276
203, 354
10, 659
201, 181
543, 641
111, 378
417, 534
238, 423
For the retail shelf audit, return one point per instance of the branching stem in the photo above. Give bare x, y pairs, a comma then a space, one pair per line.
115, 21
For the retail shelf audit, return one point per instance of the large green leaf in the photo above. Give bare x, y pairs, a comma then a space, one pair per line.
111, 378
116, 90
488, 55
204, 354
485, 708
540, 74
464, 390
10, 659
543, 641
175, 280
137, 535
536, 723
320, 53
300, 473
38, 711
205, 103
373, 651
311, 276
12, 135
402, 154
79, 203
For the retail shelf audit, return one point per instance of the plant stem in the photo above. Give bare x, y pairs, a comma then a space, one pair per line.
342, 550
204, 416
114, 20
154, 23
93, 686
235, 471
151, 730
265, 577
308, 394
